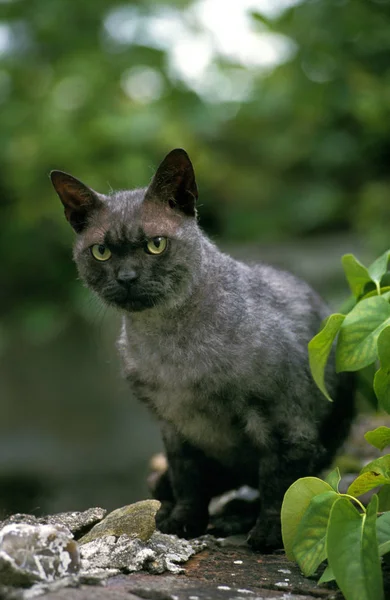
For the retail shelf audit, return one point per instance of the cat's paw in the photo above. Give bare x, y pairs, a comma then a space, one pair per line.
266, 536
181, 521
164, 512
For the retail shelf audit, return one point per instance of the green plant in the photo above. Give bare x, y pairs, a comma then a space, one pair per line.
318, 522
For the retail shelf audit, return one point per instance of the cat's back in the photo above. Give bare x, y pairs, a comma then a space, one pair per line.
281, 295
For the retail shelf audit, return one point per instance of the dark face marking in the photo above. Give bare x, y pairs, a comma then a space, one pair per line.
133, 279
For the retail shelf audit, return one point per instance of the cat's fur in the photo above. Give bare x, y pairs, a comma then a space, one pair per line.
217, 349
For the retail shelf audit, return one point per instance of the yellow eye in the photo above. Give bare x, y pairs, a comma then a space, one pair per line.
100, 252
156, 246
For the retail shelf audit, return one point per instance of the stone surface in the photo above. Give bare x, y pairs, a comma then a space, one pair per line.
159, 554
77, 522
136, 520
32, 553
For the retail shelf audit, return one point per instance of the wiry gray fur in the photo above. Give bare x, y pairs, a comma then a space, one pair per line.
218, 351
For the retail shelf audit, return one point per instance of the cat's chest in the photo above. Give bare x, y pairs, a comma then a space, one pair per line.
168, 381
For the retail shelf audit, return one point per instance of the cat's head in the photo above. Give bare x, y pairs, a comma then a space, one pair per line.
136, 249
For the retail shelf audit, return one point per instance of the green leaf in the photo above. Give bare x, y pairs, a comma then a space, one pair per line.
327, 575
379, 268
353, 551
359, 332
382, 387
333, 478
383, 532
384, 498
366, 482
295, 503
309, 545
375, 473
384, 548
379, 437
384, 346
384, 291
320, 347
357, 275
382, 376
380, 465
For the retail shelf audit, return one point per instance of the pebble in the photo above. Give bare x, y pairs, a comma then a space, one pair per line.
136, 520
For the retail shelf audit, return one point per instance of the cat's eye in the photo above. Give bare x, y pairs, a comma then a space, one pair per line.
100, 252
156, 245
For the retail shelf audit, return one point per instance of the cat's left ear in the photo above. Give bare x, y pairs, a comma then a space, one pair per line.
174, 182
78, 199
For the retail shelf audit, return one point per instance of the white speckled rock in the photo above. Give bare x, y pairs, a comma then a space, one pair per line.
33, 553
159, 554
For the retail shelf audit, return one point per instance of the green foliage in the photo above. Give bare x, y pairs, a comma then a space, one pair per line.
328, 525
383, 532
304, 150
331, 527
296, 502
309, 547
382, 376
379, 437
363, 333
357, 275
333, 479
320, 347
357, 345
352, 550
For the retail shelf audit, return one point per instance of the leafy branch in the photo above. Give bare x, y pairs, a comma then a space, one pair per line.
318, 522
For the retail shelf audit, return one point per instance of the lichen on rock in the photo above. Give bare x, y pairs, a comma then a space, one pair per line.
33, 553
159, 554
136, 520
77, 522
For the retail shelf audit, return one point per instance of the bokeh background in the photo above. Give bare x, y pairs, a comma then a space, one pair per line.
284, 108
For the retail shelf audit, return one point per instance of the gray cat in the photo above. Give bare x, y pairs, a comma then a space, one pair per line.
217, 349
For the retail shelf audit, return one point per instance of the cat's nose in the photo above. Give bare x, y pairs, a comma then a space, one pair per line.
126, 276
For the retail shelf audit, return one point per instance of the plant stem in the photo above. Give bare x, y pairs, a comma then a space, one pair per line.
355, 500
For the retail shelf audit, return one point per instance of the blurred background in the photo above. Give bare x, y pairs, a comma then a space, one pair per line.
284, 108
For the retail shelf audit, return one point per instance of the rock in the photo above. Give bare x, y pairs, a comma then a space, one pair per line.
159, 554
171, 551
10, 593
135, 520
20, 518
76, 522
33, 553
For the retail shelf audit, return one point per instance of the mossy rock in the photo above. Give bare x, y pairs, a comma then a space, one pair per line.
135, 520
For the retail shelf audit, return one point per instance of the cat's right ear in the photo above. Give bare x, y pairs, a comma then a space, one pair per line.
174, 182
78, 199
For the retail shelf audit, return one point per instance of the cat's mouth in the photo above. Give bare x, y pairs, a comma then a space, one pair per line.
137, 304
132, 300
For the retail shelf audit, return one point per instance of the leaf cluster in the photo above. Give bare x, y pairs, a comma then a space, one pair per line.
363, 334
318, 522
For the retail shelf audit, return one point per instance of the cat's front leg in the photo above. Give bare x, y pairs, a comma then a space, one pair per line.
186, 512
277, 472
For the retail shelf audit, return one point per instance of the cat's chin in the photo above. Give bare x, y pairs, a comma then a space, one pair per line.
136, 304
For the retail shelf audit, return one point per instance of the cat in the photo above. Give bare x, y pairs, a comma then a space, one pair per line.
216, 348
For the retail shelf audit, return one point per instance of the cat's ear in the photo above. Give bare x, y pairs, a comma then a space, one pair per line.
174, 182
78, 199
